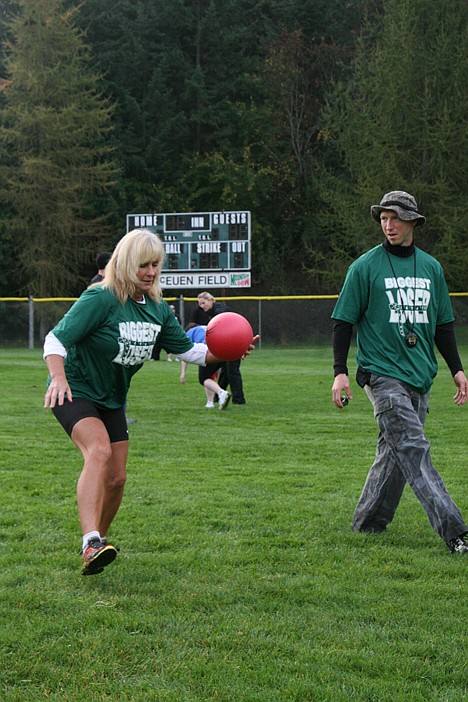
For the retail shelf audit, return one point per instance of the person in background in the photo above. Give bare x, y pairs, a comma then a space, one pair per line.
230, 373
102, 259
156, 355
174, 312
207, 376
397, 297
92, 355
199, 316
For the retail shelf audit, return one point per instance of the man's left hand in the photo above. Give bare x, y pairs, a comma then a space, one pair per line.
462, 384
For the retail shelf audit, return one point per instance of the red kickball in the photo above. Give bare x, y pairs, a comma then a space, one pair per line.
228, 336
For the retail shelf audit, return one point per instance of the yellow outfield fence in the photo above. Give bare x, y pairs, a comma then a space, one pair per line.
281, 320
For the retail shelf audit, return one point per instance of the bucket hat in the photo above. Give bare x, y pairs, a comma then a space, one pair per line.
400, 202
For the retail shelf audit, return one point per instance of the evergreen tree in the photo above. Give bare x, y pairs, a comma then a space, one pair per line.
195, 106
182, 76
402, 124
54, 161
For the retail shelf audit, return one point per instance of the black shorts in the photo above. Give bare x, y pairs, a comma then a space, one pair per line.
114, 420
208, 371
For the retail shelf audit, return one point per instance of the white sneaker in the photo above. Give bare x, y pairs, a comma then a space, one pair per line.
209, 405
223, 399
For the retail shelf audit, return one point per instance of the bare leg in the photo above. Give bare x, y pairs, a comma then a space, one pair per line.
114, 493
212, 387
102, 480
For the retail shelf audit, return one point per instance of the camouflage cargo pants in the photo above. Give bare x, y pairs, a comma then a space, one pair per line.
403, 456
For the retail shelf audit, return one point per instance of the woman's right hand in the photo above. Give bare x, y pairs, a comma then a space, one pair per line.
58, 387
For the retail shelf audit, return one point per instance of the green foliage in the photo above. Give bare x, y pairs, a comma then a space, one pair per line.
239, 578
402, 123
207, 94
260, 104
54, 159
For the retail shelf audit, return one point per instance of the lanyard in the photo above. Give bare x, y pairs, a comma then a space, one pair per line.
411, 338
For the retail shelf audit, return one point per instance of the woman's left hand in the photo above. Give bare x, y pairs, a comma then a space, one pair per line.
252, 346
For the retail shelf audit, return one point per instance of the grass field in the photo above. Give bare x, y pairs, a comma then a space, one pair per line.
239, 577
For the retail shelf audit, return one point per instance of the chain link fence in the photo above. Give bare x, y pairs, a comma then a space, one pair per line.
280, 321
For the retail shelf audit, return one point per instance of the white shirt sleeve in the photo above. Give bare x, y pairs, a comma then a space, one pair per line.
197, 354
52, 346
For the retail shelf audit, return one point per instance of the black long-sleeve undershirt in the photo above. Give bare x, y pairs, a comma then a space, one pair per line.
447, 346
341, 341
444, 339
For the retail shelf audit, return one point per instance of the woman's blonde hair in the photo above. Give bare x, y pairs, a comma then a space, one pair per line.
205, 295
138, 247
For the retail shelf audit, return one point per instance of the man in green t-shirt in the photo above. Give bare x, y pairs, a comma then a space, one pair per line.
397, 297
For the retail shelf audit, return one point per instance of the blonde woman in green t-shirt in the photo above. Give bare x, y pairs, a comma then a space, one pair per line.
92, 355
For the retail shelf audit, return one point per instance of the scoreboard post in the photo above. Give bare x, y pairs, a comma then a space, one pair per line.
203, 249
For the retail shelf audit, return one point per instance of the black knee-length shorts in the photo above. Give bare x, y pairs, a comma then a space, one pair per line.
114, 420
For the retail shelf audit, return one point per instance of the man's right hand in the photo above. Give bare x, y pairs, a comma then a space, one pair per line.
341, 387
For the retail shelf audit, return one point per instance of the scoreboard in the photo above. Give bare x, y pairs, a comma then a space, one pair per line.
203, 249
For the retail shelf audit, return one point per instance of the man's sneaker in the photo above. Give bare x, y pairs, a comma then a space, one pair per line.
223, 399
209, 405
96, 556
458, 545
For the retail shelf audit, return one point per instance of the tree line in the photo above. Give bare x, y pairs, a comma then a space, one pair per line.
303, 111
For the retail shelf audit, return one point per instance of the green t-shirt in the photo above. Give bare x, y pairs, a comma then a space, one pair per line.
387, 304
107, 343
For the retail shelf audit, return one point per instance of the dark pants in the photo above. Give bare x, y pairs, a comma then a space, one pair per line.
156, 352
403, 456
231, 375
